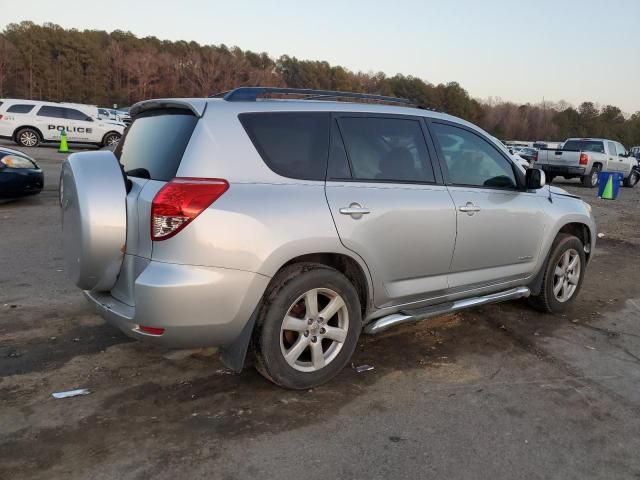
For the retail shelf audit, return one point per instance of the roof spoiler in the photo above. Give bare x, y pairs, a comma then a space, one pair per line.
196, 105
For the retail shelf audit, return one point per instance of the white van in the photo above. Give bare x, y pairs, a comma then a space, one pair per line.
29, 122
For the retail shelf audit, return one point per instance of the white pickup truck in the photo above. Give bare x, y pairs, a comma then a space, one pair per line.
584, 158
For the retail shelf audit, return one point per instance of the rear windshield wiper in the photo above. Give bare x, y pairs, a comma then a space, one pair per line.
139, 172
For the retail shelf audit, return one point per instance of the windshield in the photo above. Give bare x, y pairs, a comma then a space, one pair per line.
584, 146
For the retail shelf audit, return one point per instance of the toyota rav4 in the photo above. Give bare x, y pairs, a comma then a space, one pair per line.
286, 227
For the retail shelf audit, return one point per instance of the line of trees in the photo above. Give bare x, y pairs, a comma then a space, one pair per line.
49, 62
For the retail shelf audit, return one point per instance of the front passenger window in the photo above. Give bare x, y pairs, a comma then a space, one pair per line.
471, 160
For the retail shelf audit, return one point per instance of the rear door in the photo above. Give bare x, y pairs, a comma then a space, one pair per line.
389, 205
50, 120
499, 226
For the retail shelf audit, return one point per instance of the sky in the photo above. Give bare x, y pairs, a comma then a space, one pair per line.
522, 51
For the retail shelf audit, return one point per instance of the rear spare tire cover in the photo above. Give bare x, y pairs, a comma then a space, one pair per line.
94, 218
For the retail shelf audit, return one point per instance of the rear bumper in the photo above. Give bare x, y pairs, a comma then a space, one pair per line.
562, 170
197, 306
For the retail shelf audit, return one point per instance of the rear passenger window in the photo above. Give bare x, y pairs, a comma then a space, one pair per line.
293, 145
471, 160
386, 149
55, 112
20, 108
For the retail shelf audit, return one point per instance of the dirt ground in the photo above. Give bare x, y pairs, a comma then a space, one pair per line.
496, 392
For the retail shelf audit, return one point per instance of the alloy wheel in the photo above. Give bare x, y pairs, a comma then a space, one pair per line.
314, 330
566, 275
28, 139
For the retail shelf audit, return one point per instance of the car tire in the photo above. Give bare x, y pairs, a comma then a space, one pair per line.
28, 137
632, 179
293, 346
562, 281
111, 138
591, 180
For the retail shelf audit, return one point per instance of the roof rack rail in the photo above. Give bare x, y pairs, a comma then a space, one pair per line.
251, 94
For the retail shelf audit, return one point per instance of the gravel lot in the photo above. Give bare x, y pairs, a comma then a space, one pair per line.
499, 392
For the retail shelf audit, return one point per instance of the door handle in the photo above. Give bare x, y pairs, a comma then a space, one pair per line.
469, 208
355, 210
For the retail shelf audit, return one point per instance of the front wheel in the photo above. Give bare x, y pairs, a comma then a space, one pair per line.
111, 139
591, 180
563, 275
308, 327
632, 179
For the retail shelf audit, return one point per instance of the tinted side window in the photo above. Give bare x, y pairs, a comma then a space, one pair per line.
154, 144
55, 112
389, 149
338, 162
76, 115
293, 145
20, 108
471, 160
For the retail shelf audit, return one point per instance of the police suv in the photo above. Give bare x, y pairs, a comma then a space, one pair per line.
29, 122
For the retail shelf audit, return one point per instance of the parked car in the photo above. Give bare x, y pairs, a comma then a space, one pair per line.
584, 158
29, 122
635, 151
20, 175
528, 153
290, 226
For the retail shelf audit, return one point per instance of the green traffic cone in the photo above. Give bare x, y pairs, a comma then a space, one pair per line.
607, 193
64, 148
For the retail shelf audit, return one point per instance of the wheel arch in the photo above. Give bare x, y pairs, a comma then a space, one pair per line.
578, 229
22, 127
109, 133
233, 356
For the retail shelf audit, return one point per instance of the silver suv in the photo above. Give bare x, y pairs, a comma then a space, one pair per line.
287, 227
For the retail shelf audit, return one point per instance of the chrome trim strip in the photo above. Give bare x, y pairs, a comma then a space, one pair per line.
389, 321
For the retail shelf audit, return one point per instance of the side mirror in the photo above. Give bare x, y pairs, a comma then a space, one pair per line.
535, 179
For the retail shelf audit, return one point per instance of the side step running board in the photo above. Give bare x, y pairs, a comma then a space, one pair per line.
381, 324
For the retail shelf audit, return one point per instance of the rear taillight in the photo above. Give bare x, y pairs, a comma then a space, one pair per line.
584, 159
180, 201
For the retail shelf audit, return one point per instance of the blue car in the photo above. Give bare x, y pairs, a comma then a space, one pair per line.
20, 175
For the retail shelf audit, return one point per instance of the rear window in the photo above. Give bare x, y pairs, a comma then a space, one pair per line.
584, 146
294, 145
155, 142
20, 108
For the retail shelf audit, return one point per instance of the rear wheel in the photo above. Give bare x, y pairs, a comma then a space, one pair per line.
28, 137
308, 328
563, 275
591, 180
111, 139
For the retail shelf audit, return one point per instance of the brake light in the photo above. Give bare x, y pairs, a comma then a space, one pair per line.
180, 201
584, 159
